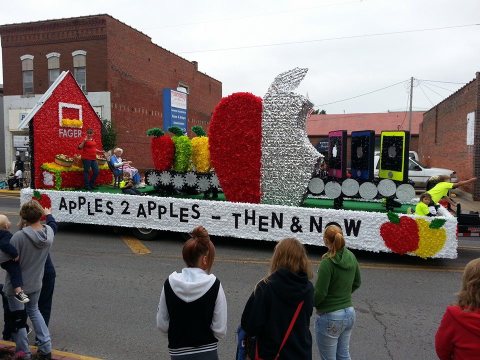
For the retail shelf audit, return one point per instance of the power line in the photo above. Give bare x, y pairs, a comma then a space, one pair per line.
423, 91
367, 93
440, 87
330, 39
214, 20
434, 91
444, 82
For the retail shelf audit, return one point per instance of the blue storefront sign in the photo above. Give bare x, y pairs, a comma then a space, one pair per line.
174, 109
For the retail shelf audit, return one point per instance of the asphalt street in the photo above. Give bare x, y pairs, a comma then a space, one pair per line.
107, 293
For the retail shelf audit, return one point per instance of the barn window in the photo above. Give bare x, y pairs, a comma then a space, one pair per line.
27, 74
80, 68
53, 60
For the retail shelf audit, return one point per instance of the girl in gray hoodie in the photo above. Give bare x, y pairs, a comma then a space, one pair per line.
33, 243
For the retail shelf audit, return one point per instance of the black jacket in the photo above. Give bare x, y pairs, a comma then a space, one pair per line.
270, 309
5, 245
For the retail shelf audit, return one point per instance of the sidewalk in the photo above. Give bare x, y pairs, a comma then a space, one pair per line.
466, 201
7, 350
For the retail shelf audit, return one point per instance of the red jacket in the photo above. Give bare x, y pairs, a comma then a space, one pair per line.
458, 336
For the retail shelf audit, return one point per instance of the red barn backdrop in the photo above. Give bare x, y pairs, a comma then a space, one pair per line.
58, 124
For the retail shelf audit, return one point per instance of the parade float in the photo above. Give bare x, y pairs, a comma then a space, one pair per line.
262, 179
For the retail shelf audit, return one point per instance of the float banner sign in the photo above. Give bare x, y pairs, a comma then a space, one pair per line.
223, 218
174, 109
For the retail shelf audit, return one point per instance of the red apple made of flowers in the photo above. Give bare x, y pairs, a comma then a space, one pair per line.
235, 136
43, 200
400, 234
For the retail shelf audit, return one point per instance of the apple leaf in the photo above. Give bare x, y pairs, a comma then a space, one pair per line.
393, 217
36, 194
437, 223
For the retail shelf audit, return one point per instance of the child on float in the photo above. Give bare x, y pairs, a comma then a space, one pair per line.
128, 186
425, 207
9, 260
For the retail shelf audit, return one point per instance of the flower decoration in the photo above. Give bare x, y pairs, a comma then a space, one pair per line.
178, 181
235, 136
214, 181
162, 149
190, 178
200, 151
203, 183
165, 178
55, 175
73, 123
153, 178
183, 149
408, 235
48, 178
432, 237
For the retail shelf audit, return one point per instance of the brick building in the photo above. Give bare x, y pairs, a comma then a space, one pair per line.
450, 134
119, 68
318, 127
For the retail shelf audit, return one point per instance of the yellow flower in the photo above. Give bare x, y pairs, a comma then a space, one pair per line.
75, 123
201, 154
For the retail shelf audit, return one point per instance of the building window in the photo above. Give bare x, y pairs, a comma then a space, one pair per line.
182, 88
80, 68
53, 60
27, 74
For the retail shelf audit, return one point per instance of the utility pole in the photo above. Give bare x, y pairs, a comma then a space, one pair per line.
410, 114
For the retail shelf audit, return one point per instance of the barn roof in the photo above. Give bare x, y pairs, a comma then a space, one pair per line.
24, 123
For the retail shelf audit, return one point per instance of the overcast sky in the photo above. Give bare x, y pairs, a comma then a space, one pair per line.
351, 48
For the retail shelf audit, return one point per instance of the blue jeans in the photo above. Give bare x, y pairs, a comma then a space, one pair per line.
41, 329
87, 164
333, 332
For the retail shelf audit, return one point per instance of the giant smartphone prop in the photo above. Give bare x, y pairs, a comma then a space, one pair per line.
394, 146
337, 154
362, 155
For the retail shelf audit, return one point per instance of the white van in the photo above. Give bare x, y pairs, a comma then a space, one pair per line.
419, 173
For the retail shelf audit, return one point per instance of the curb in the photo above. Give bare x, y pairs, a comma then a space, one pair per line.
10, 192
9, 347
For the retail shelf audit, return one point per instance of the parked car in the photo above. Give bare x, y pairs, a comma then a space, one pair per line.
412, 154
419, 173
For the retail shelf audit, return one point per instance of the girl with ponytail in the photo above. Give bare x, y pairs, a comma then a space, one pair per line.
338, 277
193, 308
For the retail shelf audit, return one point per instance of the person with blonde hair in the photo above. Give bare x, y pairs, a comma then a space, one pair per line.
443, 185
338, 277
458, 336
193, 308
282, 302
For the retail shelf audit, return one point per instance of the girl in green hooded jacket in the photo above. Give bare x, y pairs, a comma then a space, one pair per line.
338, 277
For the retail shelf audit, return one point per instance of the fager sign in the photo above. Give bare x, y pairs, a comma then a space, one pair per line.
174, 109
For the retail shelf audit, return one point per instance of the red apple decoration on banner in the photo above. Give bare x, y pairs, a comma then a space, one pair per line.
400, 234
43, 200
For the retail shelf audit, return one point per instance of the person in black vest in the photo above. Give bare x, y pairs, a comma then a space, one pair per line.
193, 307
282, 299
